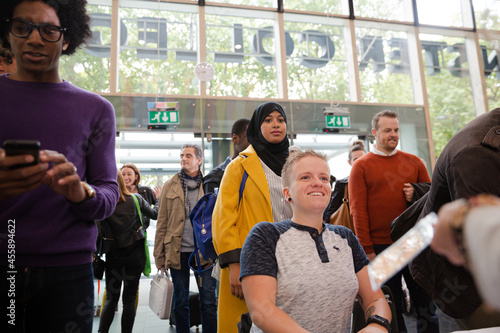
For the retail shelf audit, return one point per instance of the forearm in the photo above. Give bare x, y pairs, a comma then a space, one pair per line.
147, 210
378, 307
269, 318
372, 302
100, 207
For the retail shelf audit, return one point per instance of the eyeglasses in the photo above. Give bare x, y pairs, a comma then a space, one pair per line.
23, 29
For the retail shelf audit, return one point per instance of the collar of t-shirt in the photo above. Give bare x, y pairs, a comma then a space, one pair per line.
381, 153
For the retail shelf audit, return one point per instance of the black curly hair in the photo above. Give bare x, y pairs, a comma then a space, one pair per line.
72, 15
6, 55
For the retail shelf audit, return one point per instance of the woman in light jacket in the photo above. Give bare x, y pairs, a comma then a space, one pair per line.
123, 242
262, 200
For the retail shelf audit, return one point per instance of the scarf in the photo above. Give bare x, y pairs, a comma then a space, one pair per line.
186, 188
272, 154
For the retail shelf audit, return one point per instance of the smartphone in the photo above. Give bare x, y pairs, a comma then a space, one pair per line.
22, 147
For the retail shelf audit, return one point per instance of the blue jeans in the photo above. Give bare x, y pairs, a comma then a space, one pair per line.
50, 299
208, 305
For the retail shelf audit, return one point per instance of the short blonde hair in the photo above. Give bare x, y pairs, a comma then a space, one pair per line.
293, 159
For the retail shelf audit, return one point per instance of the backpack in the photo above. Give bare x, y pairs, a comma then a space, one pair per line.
201, 217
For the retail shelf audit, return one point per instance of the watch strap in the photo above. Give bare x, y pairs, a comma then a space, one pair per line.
375, 319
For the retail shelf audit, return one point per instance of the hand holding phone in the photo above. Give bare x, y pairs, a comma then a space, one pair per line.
14, 156
22, 147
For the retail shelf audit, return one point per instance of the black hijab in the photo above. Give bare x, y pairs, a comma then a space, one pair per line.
272, 154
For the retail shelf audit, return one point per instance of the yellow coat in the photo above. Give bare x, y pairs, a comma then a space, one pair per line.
231, 224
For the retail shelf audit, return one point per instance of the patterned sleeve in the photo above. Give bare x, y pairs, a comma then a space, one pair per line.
258, 253
358, 254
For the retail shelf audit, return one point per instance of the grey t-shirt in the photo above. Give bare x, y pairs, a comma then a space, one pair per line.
187, 242
315, 272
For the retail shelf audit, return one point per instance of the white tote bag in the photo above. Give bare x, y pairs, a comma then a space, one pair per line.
160, 294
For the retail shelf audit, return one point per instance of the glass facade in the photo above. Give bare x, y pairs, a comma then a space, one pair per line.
160, 38
489, 56
446, 13
448, 85
486, 13
259, 3
320, 6
437, 66
384, 66
89, 67
395, 10
242, 52
316, 60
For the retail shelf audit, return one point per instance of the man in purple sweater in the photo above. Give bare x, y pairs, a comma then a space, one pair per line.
47, 210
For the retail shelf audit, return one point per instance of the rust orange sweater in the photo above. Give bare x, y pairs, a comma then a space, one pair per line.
376, 193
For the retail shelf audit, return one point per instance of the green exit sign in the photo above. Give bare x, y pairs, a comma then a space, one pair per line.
163, 117
338, 121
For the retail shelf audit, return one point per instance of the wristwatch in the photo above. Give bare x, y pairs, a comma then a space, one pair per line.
89, 190
375, 319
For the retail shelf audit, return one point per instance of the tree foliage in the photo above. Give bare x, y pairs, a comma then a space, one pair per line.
450, 98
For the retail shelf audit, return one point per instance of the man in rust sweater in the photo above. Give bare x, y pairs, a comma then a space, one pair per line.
376, 185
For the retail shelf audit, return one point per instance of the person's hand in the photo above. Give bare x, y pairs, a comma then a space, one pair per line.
63, 178
234, 280
373, 328
159, 267
17, 181
444, 242
157, 191
371, 256
408, 191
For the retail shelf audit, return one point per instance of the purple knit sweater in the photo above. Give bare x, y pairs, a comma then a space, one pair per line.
49, 230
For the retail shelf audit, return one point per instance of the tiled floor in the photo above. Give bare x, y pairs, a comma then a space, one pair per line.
145, 320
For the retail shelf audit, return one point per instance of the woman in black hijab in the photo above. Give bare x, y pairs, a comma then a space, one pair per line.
272, 154
251, 192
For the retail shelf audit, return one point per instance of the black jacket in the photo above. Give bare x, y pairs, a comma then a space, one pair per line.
407, 220
123, 227
468, 165
213, 178
149, 196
